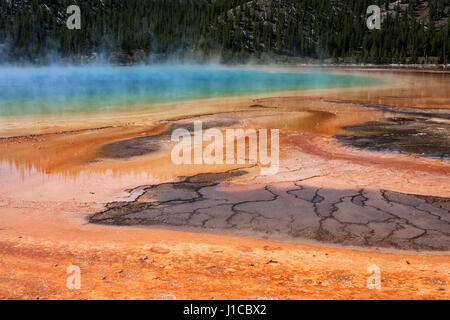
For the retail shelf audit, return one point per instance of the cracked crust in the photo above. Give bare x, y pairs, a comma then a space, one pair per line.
363, 217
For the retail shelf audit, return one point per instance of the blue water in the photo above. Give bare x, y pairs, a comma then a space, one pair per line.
56, 90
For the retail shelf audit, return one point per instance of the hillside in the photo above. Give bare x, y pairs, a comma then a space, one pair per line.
232, 30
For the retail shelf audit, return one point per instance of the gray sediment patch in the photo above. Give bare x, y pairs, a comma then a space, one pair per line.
140, 146
409, 135
419, 131
289, 211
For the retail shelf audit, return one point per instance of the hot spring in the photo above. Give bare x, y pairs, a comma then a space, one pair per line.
59, 90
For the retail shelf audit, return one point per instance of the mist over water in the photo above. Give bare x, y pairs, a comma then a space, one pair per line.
62, 89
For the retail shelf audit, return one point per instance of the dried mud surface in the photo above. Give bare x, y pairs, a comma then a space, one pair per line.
363, 217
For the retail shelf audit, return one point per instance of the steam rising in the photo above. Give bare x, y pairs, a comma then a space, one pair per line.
64, 89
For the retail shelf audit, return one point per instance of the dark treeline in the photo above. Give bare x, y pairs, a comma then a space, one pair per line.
235, 30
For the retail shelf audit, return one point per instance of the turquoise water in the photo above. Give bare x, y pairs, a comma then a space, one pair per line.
56, 90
